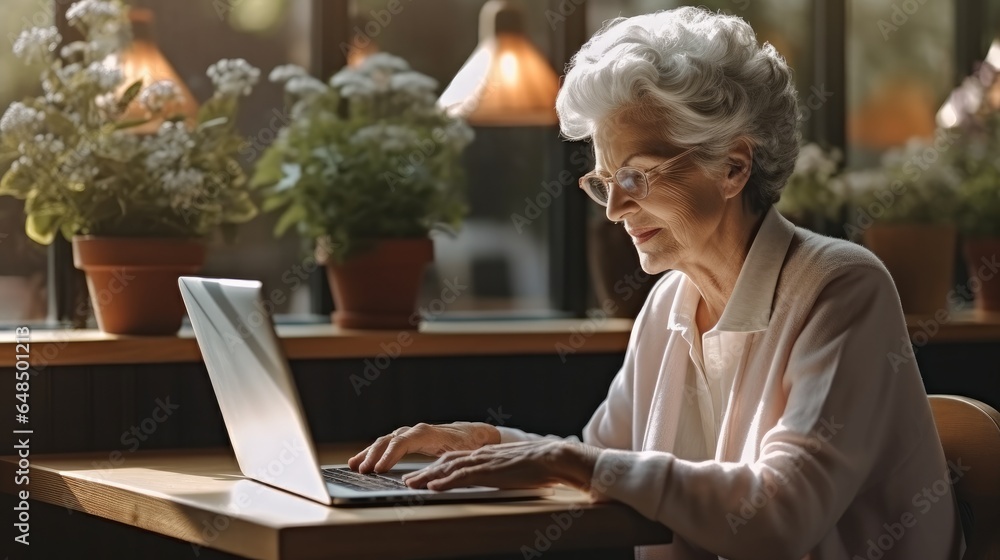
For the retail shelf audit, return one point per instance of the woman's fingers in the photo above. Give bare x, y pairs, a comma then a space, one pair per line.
409, 440
399, 446
387, 450
444, 466
353, 462
460, 478
374, 453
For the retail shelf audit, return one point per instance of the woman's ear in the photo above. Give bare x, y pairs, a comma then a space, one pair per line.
740, 161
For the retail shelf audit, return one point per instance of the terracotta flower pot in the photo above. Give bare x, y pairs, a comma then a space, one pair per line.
378, 289
920, 259
981, 256
133, 281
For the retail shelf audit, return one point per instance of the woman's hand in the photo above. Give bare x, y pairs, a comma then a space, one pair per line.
510, 465
433, 440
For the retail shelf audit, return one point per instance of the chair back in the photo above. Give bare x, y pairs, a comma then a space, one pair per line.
970, 432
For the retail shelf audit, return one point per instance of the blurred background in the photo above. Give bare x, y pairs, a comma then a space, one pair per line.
871, 73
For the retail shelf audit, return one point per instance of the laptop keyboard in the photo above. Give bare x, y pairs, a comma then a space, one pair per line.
357, 481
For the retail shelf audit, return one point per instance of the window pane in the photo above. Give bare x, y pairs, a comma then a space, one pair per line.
23, 263
899, 71
266, 33
504, 266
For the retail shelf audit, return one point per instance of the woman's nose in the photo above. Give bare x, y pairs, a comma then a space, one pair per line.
619, 204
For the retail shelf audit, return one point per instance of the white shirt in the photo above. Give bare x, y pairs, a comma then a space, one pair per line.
805, 434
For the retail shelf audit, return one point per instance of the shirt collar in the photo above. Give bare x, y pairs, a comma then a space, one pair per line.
749, 306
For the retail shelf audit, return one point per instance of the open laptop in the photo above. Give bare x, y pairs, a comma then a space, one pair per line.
263, 415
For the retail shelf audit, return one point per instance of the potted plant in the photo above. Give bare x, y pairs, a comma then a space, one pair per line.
815, 197
367, 167
137, 207
978, 163
905, 215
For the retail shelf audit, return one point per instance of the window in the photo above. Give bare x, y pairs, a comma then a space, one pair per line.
899, 71
900, 60
23, 263
266, 33
503, 263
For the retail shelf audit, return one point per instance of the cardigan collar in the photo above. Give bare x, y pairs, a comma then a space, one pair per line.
749, 306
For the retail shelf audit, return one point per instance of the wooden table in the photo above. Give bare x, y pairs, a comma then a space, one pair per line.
199, 497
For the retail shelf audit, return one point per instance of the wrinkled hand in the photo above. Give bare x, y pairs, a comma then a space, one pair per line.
434, 440
510, 465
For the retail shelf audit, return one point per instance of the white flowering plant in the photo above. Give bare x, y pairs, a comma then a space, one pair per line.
918, 185
366, 156
814, 197
81, 169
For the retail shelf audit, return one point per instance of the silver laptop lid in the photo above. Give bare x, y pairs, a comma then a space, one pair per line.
253, 384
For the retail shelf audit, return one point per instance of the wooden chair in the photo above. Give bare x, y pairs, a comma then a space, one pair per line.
970, 431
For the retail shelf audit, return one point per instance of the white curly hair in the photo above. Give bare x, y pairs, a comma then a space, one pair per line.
699, 78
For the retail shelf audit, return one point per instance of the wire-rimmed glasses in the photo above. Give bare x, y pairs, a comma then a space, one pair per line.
632, 180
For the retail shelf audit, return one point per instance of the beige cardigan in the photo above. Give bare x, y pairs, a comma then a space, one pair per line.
798, 428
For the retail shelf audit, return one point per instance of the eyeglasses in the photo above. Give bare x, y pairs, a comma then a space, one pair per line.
632, 180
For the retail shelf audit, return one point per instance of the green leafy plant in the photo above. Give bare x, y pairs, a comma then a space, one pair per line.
82, 168
978, 164
365, 157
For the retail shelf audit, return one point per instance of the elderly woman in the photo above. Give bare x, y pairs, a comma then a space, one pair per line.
763, 409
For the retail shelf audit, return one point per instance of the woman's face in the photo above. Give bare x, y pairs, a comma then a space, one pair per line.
683, 209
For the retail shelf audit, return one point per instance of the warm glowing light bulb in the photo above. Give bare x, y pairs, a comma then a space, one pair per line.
508, 67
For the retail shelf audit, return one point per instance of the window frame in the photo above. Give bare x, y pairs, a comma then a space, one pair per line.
569, 285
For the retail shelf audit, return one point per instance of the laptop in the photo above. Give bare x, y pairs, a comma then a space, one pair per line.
260, 406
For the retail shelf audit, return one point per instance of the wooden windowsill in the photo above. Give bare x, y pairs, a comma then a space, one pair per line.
459, 338
325, 341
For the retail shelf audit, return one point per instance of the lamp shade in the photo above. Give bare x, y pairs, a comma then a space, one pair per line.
506, 81
143, 60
